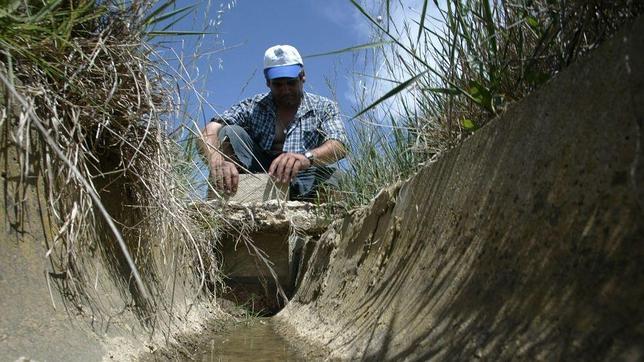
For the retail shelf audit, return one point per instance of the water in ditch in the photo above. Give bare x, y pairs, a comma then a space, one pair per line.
253, 340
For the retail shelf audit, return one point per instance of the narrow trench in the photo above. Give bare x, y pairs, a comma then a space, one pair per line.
255, 338
252, 289
251, 337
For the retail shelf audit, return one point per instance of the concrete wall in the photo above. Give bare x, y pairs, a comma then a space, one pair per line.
34, 319
278, 231
526, 242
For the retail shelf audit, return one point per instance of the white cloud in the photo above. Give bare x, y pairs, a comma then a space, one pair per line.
403, 24
341, 13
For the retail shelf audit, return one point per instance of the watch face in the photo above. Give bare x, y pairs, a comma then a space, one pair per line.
309, 155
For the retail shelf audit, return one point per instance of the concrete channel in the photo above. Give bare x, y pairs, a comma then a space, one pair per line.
524, 243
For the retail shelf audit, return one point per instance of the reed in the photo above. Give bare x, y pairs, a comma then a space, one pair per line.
86, 108
455, 65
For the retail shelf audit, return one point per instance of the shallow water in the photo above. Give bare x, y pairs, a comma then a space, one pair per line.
254, 340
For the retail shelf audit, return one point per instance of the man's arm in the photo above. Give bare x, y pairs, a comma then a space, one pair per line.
223, 172
329, 152
209, 141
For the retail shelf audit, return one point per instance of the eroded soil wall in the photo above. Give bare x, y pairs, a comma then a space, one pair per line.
38, 319
526, 242
35, 322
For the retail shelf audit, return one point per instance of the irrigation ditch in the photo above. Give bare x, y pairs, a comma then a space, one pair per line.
524, 242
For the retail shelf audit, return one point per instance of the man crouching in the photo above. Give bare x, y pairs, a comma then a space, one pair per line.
293, 135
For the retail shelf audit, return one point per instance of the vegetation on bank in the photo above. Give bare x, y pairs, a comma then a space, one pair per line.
85, 105
454, 65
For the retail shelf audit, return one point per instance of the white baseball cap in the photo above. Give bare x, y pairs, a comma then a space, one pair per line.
282, 61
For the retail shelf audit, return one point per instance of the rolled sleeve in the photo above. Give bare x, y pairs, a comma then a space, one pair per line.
237, 114
332, 126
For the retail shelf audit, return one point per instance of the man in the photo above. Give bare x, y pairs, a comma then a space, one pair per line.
291, 134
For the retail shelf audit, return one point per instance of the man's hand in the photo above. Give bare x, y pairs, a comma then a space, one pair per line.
224, 174
287, 165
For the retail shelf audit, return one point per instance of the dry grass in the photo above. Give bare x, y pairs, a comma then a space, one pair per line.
84, 111
449, 67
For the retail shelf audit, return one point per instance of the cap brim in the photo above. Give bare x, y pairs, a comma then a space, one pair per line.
284, 71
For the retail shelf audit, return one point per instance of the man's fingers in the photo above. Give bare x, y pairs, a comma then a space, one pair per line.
217, 178
216, 172
279, 163
220, 183
232, 178
227, 178
235, 180
296, 168
273, 167
288, 168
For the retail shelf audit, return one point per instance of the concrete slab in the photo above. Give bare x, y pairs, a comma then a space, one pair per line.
254, 188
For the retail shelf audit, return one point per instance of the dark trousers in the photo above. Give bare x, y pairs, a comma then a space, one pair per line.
250, 158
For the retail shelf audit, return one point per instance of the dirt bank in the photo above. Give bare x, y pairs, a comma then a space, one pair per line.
523, 243
38, 321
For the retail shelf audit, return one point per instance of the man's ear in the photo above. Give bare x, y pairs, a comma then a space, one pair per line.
303, 76
268, 83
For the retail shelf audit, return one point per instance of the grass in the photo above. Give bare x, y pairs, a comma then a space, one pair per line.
86, 108
452, 66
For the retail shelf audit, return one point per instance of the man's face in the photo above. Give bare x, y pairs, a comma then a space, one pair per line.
287, 91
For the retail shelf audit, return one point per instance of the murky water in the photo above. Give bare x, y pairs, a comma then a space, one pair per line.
254, 340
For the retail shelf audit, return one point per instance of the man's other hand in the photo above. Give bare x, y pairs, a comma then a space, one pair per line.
287, 165
224, 174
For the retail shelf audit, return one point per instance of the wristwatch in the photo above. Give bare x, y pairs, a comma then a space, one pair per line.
310, 156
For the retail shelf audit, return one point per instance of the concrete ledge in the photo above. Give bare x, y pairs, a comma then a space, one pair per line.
281, 232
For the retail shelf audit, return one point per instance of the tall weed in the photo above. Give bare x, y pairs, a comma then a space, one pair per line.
85, 111
457, 64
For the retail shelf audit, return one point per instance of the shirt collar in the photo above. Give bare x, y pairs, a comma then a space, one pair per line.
268, 103
306, 105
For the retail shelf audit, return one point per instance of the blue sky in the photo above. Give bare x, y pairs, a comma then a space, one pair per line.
229, 65
312, 26
223, 68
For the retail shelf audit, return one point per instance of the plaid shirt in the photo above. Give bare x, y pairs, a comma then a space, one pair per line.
316, 121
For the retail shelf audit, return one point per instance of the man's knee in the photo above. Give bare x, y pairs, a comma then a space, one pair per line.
232, 133
211, 129
236, 143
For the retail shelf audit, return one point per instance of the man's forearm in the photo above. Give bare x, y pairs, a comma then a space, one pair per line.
224, 174
329, 152
209, 141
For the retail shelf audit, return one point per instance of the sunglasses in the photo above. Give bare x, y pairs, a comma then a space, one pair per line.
289, 82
